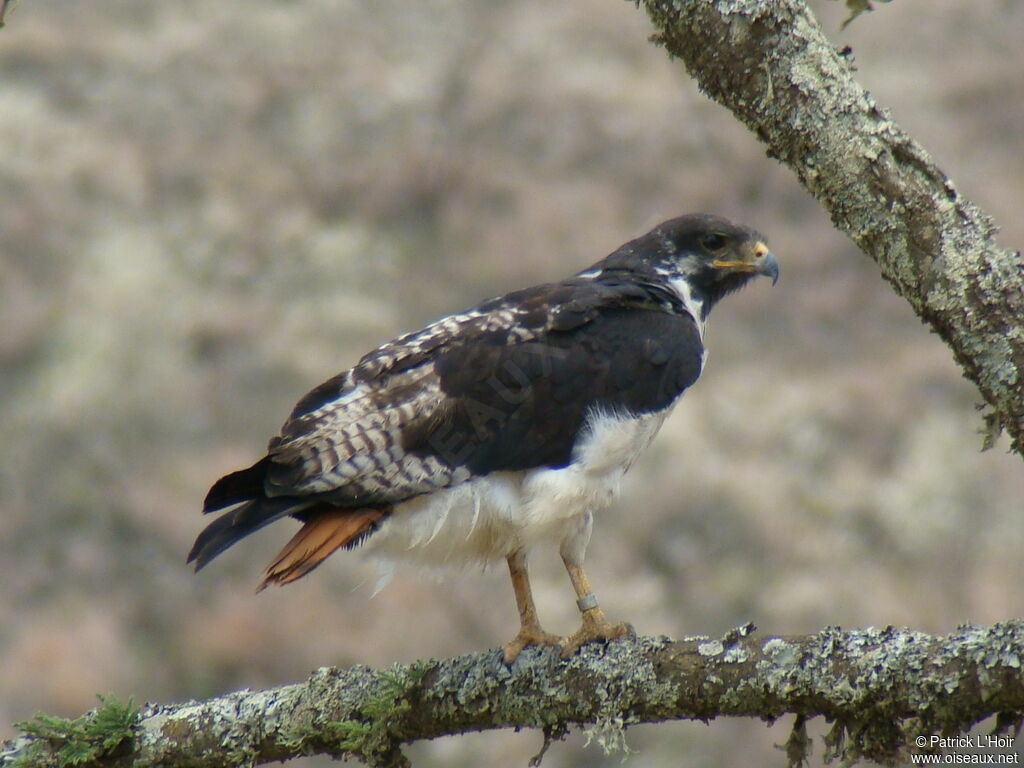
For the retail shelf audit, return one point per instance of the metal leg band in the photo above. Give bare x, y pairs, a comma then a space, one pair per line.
587, 602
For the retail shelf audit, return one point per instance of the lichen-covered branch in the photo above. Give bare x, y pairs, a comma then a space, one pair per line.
769, 62
880, 688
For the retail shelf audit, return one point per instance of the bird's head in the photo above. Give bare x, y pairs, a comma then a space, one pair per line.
699, 256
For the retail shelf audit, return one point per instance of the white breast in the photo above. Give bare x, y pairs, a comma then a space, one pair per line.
486, 518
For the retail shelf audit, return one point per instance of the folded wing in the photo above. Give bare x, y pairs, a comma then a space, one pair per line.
508, 385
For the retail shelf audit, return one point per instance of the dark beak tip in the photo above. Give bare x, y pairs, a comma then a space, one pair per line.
769, 267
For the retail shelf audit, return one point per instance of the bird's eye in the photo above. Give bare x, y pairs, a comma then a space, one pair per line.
714, 241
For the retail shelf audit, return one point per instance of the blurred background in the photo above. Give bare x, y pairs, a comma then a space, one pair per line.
208, 208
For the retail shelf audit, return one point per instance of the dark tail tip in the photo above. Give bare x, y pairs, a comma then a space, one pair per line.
214, 539
235, 524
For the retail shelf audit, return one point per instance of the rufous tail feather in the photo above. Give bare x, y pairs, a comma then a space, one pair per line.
316, 540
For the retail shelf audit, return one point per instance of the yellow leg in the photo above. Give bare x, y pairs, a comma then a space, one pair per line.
595, 626
530, 632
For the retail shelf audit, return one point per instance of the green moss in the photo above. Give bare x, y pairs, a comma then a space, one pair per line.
371, 732
101, 733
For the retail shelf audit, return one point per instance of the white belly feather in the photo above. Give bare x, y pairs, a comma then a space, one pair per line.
486, 518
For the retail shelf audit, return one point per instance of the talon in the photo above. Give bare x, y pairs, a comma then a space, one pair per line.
595, 627
527, 636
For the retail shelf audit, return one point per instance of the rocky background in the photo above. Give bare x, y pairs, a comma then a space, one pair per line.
208, 208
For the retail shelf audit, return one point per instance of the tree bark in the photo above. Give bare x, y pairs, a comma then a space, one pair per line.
882, 689
769, 62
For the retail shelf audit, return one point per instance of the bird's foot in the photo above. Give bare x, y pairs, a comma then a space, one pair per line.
528, 635
595, 627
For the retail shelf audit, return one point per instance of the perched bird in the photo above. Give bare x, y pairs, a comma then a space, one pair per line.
493, 430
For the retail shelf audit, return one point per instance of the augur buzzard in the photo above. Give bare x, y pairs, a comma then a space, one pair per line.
497, 428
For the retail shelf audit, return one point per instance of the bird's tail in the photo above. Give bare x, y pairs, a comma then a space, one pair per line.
236, 524
321, 535
325, 529
246, 485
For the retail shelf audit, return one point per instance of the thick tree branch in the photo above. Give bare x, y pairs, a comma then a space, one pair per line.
769, 62
881, 688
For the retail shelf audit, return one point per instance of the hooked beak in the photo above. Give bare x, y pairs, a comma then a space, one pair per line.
762, 262
765, 263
